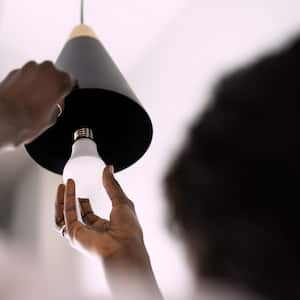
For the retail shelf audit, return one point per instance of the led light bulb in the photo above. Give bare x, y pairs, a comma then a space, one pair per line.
85, 165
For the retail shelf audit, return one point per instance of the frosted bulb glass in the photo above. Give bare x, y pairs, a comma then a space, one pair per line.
84, 166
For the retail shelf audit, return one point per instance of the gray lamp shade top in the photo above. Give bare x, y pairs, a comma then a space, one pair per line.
103, 102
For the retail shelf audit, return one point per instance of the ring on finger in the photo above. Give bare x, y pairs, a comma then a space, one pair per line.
60, 110
63, 230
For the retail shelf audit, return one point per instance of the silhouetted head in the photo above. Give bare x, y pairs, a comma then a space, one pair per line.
235, 186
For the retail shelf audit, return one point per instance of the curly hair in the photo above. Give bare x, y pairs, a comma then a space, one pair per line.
234, 187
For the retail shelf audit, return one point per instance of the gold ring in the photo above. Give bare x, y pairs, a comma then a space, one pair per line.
60, 110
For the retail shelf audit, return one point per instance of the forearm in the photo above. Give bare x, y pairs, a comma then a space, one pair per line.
132, 277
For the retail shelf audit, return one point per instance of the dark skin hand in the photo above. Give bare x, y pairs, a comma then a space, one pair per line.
118, 242
28, 98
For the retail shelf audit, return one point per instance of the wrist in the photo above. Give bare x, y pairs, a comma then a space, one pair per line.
131, 257
10, 135
5, 128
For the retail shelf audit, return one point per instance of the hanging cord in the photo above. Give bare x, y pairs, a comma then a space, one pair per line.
82, 12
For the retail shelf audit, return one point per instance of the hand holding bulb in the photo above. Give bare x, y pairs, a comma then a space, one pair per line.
97, 231
117, 241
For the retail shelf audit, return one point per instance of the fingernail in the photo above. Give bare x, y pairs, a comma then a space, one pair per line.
112, 169
70, 181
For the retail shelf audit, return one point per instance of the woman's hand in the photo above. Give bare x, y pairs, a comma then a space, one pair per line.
28, 101
118, 241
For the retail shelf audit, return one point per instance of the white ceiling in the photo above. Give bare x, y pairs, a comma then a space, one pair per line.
172, 52
41, 27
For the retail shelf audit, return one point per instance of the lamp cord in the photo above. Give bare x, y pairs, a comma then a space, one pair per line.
82, 12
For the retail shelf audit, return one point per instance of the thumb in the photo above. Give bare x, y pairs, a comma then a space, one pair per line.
113, 188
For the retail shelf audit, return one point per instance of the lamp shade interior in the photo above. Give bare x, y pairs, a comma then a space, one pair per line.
122, 130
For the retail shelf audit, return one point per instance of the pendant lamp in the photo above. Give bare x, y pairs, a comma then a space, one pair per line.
103, 105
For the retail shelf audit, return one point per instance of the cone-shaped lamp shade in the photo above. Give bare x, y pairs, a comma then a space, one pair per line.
103, 102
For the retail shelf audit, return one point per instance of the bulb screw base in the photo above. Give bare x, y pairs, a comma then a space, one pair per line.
83, 133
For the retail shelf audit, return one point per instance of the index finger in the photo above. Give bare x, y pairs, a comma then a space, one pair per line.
113, 188
66, 84
58, 80
70, 212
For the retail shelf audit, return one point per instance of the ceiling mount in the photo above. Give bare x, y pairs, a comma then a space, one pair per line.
82, 30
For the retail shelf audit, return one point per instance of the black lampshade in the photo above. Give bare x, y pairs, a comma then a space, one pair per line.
104, 102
